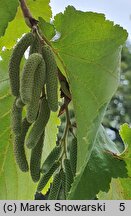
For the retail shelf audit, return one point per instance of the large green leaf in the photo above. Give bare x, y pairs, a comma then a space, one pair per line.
18, 27
47, 29
7, 13
125, 132
121, 188
115, 192
89, 47
100, 169
13, 183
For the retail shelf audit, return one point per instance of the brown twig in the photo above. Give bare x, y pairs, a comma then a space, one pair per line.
63, 139
65, 90
64, 106
30, 21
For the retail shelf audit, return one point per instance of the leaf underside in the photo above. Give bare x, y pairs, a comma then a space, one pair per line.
90, 48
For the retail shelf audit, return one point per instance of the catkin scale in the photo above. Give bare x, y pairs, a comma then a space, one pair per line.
63, 183
35, 46
34, 64
14, 64
65, 88
68, 175
19, 150
54, 190
73, 155
16, 118
19, 103
35, 159
39, 125
51, 77
51, 158
45, 177
61, 195
39, 81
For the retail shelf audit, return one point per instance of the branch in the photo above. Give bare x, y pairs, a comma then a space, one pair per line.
30, 21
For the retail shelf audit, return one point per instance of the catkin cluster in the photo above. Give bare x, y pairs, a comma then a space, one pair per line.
64, 170
35, 89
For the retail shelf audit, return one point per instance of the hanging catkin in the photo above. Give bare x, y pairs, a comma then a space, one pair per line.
39, 125
51, 77
19, 149
51, 158
35, 160
34, 64
14, 64
45, 177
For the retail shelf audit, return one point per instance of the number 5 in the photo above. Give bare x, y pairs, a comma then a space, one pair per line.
122, 207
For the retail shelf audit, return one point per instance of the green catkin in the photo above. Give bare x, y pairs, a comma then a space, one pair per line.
45, 177
63, 181
51, 77
34, 64
35, 160
19, 150
39, 81
19, 103
73, 155
56, 185
51, 158
62, 195
68, 175
16, 119
14, 64
35, 46
39, 125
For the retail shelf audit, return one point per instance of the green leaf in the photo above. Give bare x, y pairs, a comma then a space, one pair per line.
37, 8
50, 134
4, 79
121, 188
46, 28
125, 133
13, 183
115, 192
102, 166
90, 49
40, 8
7, 13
